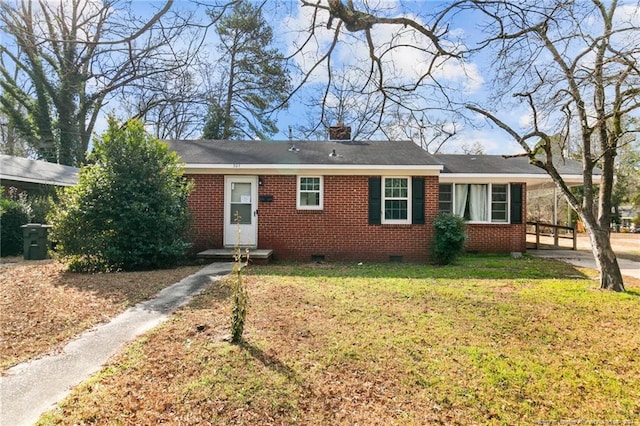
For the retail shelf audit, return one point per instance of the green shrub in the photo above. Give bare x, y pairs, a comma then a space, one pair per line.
129, 208
14, 212
449, 238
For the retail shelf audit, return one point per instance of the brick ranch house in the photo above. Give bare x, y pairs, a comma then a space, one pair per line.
352, 201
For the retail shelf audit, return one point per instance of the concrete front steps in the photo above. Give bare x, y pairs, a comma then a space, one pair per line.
259, 256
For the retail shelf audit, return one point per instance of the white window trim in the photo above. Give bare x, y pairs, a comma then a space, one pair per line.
406, 221
321, 194
489, 195
452, 190
508, 202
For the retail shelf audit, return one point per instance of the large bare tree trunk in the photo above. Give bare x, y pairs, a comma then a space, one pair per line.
606, 261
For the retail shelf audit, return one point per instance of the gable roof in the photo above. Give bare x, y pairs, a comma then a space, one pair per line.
311, 156
16, 170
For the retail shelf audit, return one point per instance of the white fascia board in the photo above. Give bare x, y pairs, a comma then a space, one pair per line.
318, 169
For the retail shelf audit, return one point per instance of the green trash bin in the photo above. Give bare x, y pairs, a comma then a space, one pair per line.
36, 241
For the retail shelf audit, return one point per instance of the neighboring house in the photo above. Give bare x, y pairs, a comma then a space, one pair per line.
626, 215
352, 201
34, 175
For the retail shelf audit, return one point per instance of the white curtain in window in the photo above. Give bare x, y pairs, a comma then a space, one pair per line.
479, 203
461, 199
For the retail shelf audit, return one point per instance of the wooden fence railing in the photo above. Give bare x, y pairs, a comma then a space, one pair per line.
541, 229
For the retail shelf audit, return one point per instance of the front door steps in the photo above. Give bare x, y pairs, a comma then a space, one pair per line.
261, 256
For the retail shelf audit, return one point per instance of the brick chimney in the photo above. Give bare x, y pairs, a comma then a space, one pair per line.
340, 132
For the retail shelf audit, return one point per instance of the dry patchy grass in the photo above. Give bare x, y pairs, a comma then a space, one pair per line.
42, 306
489, 341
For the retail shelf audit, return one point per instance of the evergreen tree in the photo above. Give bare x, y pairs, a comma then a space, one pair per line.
216, 122
252, 77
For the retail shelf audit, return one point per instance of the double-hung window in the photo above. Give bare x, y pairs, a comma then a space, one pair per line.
476, 202
309, 193
499, 203
396, 196
396, 200
445, 199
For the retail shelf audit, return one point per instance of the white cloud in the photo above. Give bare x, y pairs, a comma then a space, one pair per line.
88, 13
297, 32
467, 75
525, 121
627, 14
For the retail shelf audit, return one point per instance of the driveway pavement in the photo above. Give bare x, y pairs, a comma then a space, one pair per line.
584, 259
31, 388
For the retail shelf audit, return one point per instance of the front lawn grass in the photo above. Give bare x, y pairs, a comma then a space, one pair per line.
491, 340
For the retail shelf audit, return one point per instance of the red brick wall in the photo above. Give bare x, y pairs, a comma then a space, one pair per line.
494, 238
497, 238
340, 231
206, 203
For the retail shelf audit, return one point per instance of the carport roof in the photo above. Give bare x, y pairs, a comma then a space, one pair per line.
496, 168
497, 164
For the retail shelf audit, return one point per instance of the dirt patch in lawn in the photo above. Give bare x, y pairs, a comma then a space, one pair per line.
42, 306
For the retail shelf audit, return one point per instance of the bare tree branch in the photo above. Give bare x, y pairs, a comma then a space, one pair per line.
394, 91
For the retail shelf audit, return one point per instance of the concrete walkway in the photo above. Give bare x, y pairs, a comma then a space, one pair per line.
584, 259
31, 388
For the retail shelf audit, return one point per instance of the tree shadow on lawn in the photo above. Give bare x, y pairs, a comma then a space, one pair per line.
466, 267
269, 361
171, 298
635, 293
218, 291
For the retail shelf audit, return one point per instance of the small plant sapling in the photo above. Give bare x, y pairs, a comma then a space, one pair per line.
239, 296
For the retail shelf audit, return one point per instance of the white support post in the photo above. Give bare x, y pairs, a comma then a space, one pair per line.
555, 206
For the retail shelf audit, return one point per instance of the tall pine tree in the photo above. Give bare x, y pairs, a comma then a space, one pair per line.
252, 78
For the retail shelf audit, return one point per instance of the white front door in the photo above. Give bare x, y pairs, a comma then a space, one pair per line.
241, 211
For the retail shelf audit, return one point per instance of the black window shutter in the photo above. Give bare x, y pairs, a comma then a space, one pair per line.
417, 202
516, 203
375, 200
